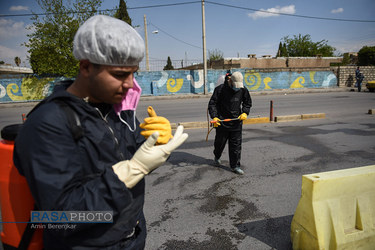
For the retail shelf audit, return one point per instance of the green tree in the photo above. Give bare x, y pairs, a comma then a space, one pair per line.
169, 65
345, 59
215, 54
284, 51
302, 45
2, 62
366, 56
278, 54
50, 43
17, 61
122, 13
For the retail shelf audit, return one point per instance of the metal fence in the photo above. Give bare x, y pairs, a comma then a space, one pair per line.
158, 65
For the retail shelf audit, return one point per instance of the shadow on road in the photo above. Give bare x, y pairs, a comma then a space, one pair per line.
179, 157
275, 232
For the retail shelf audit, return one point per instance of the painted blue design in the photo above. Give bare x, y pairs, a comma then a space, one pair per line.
191, 81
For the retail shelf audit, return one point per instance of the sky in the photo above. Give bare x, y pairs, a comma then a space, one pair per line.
236, 28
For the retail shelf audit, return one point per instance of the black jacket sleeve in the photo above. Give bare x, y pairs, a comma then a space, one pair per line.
212, 104
246, 101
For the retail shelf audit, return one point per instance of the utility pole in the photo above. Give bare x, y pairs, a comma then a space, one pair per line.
204, 50
146, 42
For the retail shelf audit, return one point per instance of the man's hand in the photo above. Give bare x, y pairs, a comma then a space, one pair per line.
155, 123
147, 158
243, 116
216, 123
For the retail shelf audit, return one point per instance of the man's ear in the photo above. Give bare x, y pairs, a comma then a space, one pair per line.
84, 67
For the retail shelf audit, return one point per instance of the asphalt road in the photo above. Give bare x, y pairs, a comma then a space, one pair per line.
191, 204
194, 108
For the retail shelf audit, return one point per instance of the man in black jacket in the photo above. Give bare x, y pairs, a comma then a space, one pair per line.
359, 78
231, 101
103, 168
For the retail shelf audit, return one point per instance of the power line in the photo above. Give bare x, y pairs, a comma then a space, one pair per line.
174, 36
53, 13
194, 2
293, 15
162, 5
77, 12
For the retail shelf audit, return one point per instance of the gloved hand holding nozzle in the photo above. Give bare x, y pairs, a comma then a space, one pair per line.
216, 122
243, 116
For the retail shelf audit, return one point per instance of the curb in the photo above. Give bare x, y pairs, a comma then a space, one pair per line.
288, 118
313, 116
193, 124
192, 96
257, 120
252, 93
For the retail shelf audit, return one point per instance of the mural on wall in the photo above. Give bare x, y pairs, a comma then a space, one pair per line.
256, 81
25, 89
183, 82
28, 88
177, 82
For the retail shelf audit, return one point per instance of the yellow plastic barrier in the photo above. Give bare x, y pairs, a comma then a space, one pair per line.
336, 210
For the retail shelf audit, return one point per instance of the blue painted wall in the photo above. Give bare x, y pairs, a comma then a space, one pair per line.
178, 82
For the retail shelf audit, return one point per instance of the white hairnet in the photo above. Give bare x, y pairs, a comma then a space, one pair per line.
108, 41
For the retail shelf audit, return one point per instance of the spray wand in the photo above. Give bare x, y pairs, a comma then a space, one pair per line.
210, 124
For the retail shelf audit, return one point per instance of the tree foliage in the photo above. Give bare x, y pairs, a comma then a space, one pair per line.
50, 43
345, 59
302, 45
169, 65
279, 50
122, 13
282, 51
17, 61
366, 56
215, 54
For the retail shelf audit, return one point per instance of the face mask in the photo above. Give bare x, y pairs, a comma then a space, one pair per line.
235, 89
130, 100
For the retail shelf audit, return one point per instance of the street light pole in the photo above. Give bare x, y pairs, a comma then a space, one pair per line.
146, 43
204, 49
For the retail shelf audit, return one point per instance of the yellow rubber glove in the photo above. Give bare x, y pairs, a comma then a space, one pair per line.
155, 123
217, 123
147, 158
243, 116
